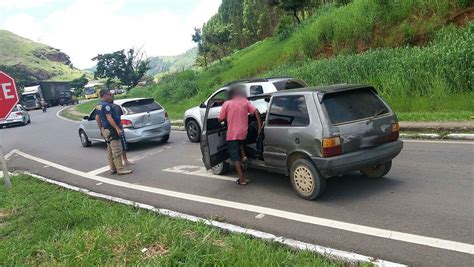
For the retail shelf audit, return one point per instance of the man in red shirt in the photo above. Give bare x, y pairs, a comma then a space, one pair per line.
236, 112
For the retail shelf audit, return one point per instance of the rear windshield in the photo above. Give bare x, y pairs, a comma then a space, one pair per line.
28, 97
353, 105
141, 106
289, 84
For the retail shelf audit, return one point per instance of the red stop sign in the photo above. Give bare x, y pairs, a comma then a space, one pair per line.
8, 95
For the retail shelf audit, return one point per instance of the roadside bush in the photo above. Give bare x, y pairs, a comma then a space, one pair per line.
285, 28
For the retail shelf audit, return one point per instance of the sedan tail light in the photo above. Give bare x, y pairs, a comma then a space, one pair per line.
126, 123
332, 147
166, 115
19, 113
395, 132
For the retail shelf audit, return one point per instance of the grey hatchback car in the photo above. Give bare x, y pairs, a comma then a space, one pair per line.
143, 119
312, 134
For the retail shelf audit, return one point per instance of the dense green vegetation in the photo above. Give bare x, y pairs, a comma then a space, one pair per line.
29, 61
407, 49
42, 224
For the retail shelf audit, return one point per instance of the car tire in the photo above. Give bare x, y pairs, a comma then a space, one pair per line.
306, 180
84, 139
29, 121
165, 138
377, 171
221, 168
193, 130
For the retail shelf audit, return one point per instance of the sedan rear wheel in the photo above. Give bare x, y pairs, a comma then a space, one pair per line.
84, 139
193, 130
306, 180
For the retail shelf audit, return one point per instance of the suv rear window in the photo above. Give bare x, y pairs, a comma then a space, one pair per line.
289, 84
353, 105
288, 111
141, 106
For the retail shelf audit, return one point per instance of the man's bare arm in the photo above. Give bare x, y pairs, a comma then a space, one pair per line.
97, 120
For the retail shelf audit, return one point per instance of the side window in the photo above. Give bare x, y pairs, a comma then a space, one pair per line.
218, 99
288, 111
92, 116
256, 90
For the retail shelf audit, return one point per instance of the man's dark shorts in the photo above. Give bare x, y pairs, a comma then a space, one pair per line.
233, 148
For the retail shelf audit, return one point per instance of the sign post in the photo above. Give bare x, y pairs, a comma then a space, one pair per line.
8, 100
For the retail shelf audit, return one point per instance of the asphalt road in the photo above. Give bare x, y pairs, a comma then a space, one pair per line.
428, 194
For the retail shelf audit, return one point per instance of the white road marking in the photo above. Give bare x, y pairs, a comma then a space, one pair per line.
260, 216
10, 154
197, 171
350, 227
63, 118
99, 183
99, 170
45, 166
439, 142
295, 244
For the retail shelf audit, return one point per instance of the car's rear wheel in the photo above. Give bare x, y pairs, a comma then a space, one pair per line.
193, 130
377, 171
306, 180
221, 168
84, 139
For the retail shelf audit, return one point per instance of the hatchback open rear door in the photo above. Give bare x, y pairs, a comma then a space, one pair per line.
213, 140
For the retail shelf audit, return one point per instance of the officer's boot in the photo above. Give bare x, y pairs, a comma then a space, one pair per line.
120, 169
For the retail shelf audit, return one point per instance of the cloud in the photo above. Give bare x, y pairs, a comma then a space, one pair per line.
86, 28
23, 4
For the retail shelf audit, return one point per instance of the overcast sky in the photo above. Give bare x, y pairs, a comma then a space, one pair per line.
85, 28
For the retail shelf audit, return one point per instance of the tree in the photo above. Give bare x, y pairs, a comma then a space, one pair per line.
78, 84
127, 67
293, 6
203, 50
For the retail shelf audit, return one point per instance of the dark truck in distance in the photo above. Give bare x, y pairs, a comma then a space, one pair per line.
51, 91
313, 134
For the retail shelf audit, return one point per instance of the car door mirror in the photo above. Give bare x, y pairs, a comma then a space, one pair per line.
203, 105
86, 118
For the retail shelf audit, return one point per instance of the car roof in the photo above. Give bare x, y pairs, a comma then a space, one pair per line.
324, 89
123, 101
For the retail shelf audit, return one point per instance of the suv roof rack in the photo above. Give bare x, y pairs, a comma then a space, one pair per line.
247, 81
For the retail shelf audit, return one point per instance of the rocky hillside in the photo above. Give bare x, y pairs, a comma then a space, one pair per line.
28, 61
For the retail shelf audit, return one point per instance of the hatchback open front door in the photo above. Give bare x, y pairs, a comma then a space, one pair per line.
213, 138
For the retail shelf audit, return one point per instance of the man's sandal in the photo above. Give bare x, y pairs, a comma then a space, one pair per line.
240, 183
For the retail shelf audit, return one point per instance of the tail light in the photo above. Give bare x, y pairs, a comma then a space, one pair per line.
126, 123
332, 147
166, 115
19, 113
395, 132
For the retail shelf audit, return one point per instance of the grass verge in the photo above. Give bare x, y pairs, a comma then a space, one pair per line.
42, 224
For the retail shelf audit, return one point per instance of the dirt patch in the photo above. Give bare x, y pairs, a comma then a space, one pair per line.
156, 250
361, 47
326, 51
463, 17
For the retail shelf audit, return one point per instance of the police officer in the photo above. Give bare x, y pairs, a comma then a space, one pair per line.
108, 121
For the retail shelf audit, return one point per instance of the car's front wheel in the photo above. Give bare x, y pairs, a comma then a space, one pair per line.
221, 168
193, 130
306, 180
165, 138
377, 171
84, 139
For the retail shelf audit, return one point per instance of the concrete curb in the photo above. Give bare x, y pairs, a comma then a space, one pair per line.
349, 257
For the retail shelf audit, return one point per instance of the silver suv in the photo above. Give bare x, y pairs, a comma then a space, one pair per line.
313, 134
193, 117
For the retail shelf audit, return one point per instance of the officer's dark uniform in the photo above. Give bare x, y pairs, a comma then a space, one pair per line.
112, 138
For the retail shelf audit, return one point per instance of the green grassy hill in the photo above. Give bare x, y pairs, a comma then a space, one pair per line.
417, 53
166, 64
29, 61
